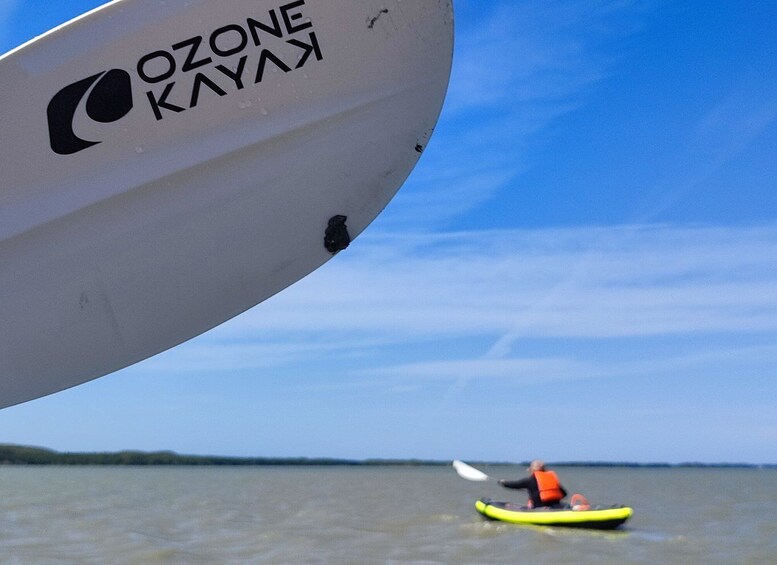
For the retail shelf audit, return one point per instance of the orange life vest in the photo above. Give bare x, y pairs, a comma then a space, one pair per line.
549, 486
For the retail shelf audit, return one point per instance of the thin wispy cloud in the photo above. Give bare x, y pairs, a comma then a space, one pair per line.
505, 287
627, 281
514, 74
537, 369
536, 52
517, 371
732, 125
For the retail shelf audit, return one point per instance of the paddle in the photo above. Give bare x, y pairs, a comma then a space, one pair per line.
470, 473
169, 165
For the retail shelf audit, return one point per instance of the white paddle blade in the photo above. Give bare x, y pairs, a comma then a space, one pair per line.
468, 472
168, 165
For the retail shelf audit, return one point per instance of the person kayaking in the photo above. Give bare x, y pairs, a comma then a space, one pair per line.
543, 486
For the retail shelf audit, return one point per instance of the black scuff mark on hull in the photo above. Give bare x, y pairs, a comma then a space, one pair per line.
336, 236
371, 21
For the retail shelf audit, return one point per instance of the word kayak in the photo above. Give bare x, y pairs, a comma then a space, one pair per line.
597, 517
169, 165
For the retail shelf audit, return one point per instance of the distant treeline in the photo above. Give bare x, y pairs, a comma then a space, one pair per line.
25, 455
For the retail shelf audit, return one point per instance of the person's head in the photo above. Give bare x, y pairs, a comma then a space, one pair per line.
536, 465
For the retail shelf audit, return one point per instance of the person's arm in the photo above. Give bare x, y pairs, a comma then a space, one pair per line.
518, 484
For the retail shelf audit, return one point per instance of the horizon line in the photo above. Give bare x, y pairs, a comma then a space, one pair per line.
17, 454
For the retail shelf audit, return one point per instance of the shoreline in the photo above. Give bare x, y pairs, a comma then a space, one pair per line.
29, 455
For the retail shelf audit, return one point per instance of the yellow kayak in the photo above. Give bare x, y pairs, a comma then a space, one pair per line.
598, 517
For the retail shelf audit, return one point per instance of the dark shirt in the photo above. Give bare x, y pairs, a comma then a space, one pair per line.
530, 484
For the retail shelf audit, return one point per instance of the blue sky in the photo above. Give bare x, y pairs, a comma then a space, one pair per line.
582, 267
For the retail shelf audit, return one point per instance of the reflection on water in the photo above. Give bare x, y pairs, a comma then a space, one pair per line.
371, 515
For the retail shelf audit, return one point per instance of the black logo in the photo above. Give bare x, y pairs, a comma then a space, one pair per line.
178, 77
108, 99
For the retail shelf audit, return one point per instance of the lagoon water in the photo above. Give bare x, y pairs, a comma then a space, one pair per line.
372, 515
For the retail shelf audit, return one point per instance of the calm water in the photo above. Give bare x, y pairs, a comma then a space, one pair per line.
371, 515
